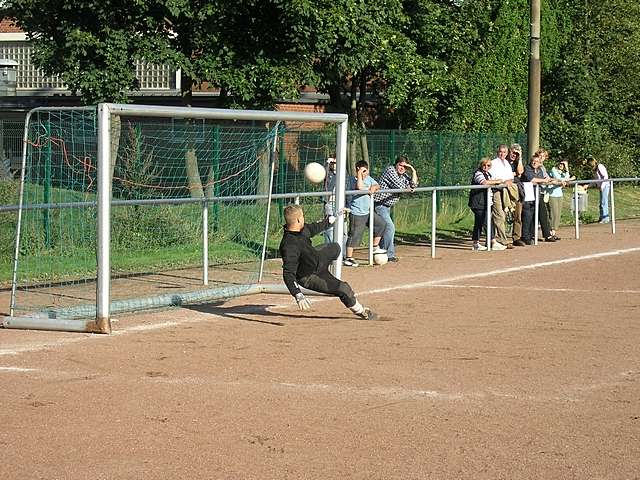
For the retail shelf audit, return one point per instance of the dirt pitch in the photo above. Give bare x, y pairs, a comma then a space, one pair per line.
516, 364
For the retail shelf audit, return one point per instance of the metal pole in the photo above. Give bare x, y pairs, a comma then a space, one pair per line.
371, 220
103, 292
575, 210
16, 252
434, 206
205, 242
46, 187
533, 125
613, 209
489, 199
536, 218
341, 179
266, 222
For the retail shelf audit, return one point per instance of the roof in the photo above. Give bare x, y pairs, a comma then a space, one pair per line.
7, 26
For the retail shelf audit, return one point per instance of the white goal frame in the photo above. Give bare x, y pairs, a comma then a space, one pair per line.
106, 110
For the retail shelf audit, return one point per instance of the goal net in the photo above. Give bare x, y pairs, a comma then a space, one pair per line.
125, 207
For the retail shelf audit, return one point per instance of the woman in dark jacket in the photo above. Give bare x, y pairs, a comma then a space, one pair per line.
478, 201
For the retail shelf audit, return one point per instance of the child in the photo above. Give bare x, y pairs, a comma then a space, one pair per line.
307, 266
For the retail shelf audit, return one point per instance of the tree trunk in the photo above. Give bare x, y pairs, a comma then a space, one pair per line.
362, 133
194, 182
353, 122
264, 170
115, 133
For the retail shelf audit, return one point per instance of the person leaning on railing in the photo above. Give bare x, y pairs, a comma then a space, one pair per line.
533, 175
600, 173
515, 160
500, 170
560, 173
394, 177
478, 203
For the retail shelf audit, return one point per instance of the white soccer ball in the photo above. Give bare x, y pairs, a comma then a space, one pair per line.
314, 172
380, 258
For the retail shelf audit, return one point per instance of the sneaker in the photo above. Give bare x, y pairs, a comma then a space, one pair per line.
604, 220
394, 259
528, 242
497, 246
550, 239
519, 243
368, 314
350, 262
478, 247
509, 246
377, 250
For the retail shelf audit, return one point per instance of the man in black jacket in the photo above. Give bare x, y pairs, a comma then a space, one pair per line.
307, 266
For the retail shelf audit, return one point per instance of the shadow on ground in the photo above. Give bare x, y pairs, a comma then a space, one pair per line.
245, 312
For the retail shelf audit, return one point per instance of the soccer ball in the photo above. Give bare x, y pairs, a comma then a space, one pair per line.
380, 258
314, 172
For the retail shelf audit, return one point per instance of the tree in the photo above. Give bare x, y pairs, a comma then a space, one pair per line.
247, 49
591, 100
363, 59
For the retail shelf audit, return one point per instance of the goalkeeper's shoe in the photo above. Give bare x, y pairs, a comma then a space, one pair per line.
368, 314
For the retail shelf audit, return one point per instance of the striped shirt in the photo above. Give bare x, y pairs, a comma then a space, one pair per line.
391, 179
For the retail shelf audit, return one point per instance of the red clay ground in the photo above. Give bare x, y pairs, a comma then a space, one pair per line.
515, 364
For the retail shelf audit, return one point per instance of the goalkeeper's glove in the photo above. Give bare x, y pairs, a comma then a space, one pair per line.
303, 303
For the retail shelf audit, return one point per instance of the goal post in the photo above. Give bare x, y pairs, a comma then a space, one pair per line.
99, 173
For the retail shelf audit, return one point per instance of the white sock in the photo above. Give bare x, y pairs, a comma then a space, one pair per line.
357, 308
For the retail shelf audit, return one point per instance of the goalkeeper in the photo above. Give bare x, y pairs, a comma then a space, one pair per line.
307, 266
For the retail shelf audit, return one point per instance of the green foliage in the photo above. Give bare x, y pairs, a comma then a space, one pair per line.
591, 104
248, 49
414, 64
8, 196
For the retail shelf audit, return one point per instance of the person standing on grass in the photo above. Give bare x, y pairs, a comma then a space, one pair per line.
401, 175
359, 217
560, 174
500, 170
515, 160
478, 201
600, 173
535, 174
307, 266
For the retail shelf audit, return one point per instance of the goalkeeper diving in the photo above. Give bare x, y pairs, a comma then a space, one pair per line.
304, 265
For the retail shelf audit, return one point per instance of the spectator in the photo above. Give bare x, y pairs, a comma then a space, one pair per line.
560, 175
478, 203
515, 160
394, 177
600, 173
534, 175
359, 216
500, 170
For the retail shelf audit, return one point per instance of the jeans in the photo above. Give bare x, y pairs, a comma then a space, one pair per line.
604, 202
386, 241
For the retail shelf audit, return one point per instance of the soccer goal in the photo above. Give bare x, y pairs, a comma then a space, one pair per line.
130, 207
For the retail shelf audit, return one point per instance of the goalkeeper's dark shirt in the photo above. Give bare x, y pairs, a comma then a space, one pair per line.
299, 258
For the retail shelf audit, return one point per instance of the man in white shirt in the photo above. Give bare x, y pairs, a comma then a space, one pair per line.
500, 170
